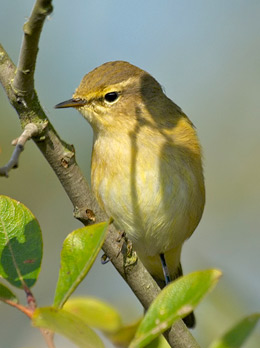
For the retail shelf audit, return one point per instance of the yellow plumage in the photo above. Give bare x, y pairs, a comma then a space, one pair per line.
146, 167
152, 185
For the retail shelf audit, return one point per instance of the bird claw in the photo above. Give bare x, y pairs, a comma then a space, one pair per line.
104, 259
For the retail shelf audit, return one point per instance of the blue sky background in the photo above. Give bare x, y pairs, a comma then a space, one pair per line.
206, 54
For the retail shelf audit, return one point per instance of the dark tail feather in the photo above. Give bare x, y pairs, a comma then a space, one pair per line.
189, 320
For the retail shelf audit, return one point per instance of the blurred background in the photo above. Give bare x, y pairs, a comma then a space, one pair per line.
206, 55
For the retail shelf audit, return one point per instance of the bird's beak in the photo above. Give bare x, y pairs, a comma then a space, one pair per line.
71, 103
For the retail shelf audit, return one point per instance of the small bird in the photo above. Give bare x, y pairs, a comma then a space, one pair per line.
146, 169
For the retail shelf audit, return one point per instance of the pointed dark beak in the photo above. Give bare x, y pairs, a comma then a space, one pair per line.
71, 103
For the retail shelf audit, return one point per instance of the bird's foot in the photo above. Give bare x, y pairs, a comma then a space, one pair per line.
121, 240
104, 259
131, 256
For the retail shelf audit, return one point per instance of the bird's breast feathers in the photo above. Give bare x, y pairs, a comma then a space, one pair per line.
153, 192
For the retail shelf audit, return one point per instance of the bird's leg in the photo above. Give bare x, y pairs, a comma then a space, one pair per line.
121, 240
126, 248
165, 270
130, 255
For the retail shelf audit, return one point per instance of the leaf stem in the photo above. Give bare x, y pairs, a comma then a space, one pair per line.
48, 337
22, 308
32, 305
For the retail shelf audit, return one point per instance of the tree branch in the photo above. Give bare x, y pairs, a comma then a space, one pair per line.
61, 158
24, 79
30, 130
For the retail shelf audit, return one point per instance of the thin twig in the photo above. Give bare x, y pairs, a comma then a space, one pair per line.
47, 334
48, 337
31, 301
21, 308
24, 79
30, 130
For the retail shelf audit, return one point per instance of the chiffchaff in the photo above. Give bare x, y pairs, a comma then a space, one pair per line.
146, 169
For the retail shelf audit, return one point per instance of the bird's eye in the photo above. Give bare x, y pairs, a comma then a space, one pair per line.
111, 97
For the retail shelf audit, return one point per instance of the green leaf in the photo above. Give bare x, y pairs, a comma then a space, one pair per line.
158, 342
20, 243
79, 251
124, 335
175, 301
95, 313
68, 325
6, 294
237, 335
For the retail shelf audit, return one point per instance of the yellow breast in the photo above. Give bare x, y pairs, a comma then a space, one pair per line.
150, 181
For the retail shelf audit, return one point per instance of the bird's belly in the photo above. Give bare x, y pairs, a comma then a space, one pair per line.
158, 204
